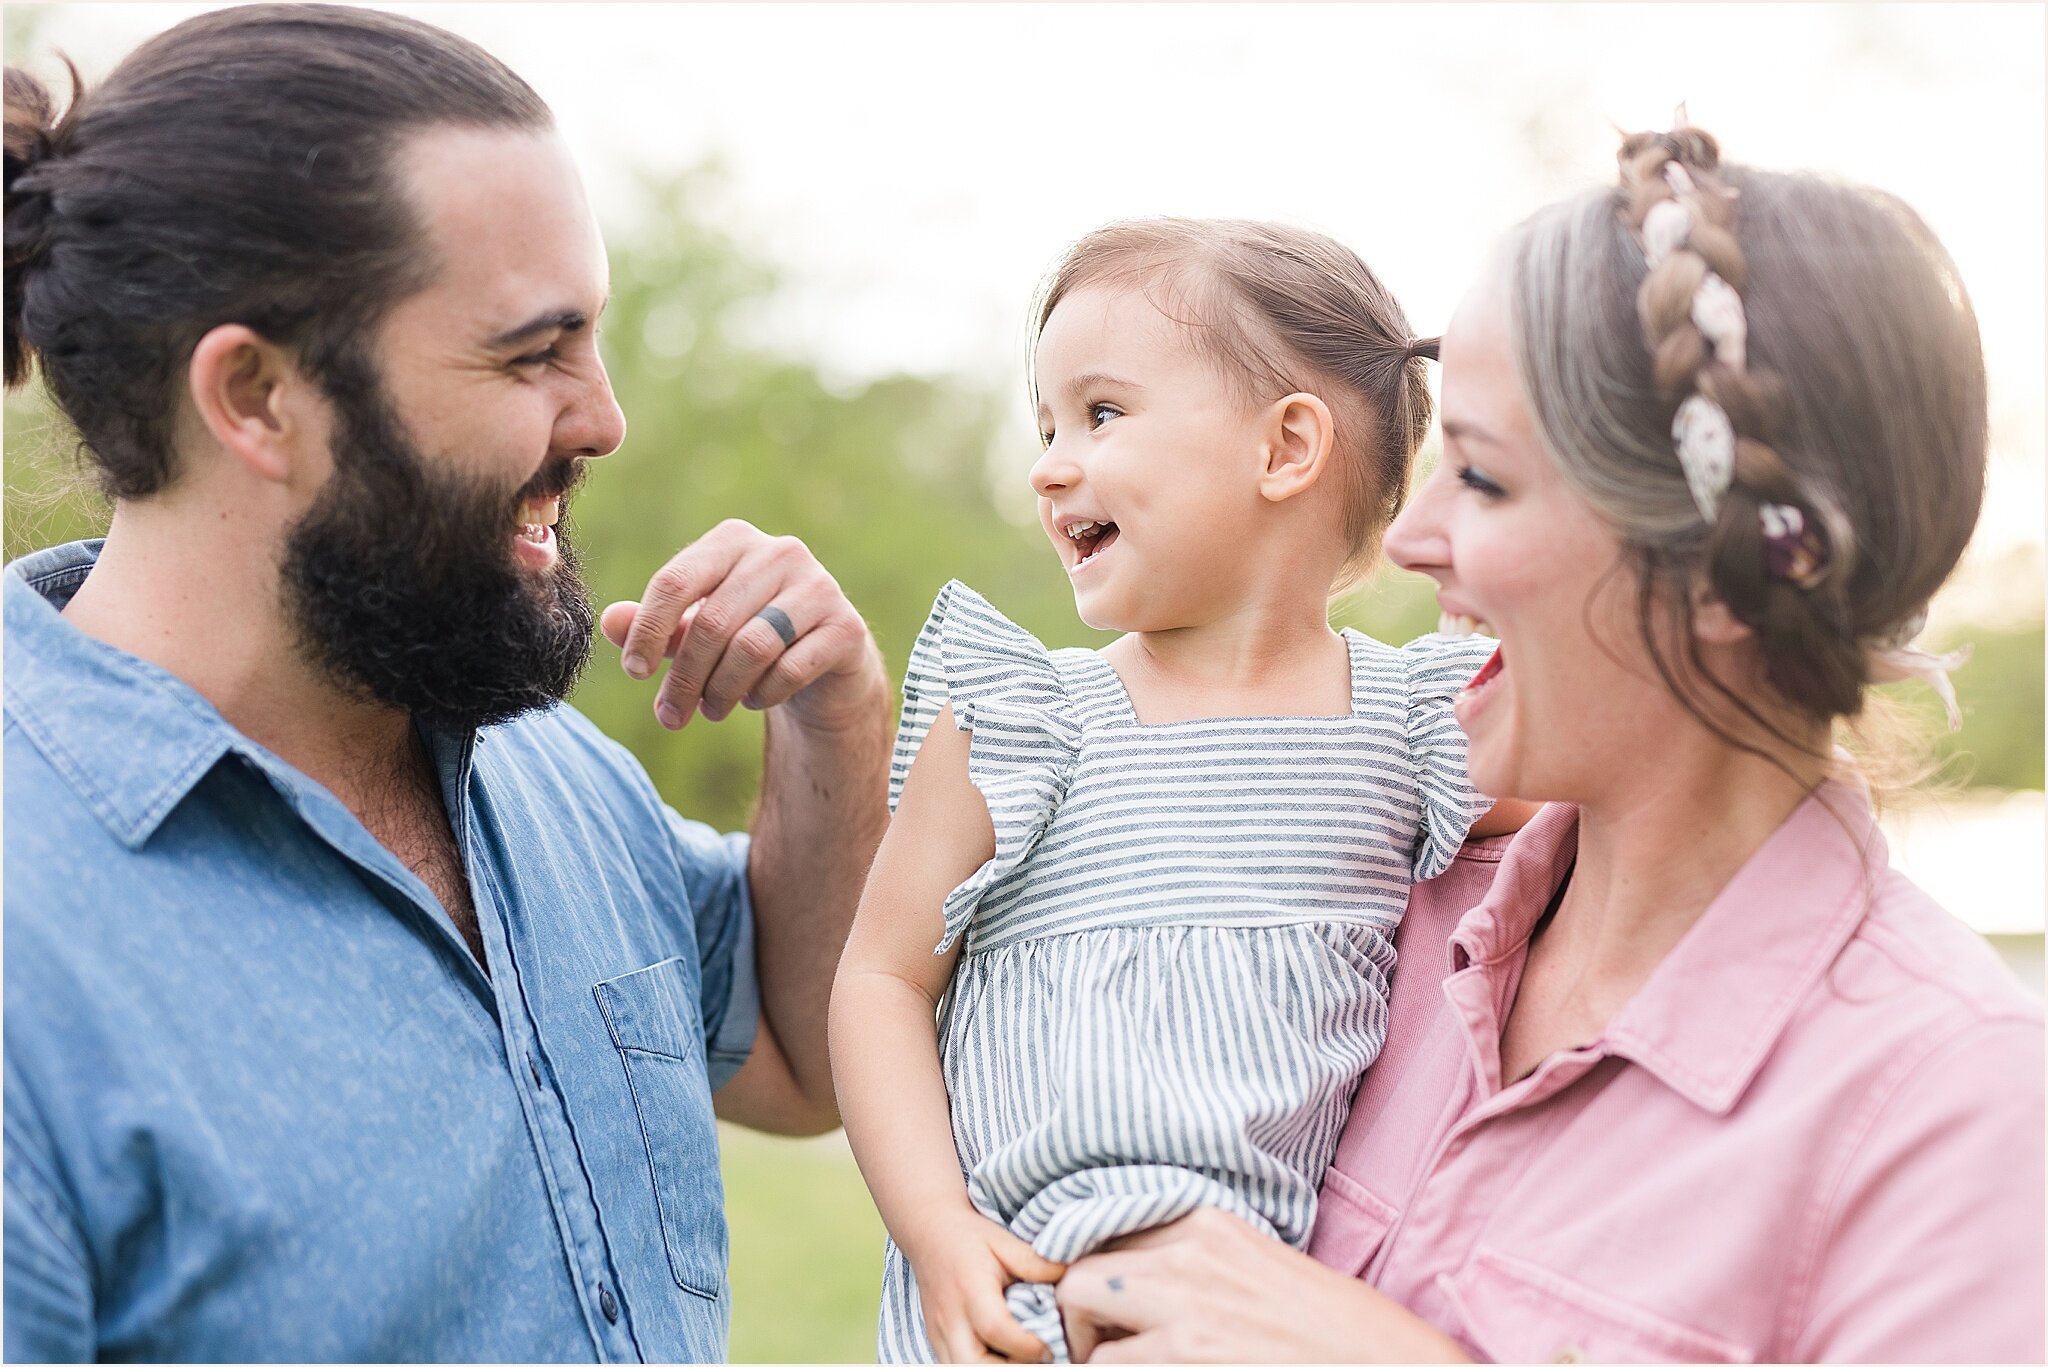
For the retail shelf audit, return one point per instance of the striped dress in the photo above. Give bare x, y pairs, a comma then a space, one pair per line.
1175, 966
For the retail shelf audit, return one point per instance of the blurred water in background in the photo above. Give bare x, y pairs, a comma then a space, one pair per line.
1981, 856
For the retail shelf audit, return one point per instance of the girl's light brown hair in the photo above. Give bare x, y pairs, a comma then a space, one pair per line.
1280, 310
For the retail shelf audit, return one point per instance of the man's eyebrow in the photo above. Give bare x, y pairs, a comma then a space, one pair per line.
557, 320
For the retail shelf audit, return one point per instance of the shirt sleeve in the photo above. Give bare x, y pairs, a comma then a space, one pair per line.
1008, 695
1934, 1249
49, 1296
1438, 668
715, 880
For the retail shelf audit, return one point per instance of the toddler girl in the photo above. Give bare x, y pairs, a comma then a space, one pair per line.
1163, 877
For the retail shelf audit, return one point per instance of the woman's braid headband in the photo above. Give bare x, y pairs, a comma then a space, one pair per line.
1677, 204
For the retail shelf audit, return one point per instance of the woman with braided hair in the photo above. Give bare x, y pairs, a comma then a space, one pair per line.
1683, 1071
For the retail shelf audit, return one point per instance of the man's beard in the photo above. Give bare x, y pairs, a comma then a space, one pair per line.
404, 585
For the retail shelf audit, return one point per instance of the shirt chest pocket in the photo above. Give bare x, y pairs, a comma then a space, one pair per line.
1351, 1224
1515, 1311
652, 1016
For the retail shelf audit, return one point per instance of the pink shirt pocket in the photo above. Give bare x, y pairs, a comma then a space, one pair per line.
1515, 1311
1351, 1224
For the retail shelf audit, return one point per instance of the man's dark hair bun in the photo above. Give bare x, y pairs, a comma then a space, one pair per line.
33, 134
238, 167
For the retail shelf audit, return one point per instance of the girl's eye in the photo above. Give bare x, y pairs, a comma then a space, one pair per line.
1045, 438
1100, 413
1478, 483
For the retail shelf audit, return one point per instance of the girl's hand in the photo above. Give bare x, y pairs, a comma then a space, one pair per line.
1210, 1288
964, 1262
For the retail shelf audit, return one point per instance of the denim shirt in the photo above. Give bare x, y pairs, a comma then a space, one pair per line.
262, 1103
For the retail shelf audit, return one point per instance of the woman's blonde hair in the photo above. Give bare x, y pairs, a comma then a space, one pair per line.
1861, 405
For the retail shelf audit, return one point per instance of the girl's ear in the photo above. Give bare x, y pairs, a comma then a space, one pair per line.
1298, 441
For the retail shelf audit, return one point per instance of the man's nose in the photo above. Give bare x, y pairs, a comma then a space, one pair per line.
594, 424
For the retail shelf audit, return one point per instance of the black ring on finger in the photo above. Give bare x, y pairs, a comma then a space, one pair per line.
777, 618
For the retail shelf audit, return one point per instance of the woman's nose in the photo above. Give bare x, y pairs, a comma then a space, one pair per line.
1417, 539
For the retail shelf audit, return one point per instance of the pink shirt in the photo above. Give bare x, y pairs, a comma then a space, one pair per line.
1814, 1134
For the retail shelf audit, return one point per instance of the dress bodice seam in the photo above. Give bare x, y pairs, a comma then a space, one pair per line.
1116, 711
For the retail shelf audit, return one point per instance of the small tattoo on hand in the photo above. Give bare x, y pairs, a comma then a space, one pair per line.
1116, 1284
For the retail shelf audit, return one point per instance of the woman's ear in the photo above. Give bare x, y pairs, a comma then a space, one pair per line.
1298, 442
1713, 622
253, 399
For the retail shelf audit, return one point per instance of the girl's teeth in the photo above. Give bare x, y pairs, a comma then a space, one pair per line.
1457, 624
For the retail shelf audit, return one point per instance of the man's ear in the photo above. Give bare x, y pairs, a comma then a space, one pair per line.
253, 399
1299, 439
1713, 623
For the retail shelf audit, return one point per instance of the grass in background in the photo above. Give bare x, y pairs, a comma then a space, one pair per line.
806, 1249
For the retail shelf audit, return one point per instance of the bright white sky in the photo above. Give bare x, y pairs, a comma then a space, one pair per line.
915, 168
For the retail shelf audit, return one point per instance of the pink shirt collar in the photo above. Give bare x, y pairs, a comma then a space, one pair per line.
1709, 1015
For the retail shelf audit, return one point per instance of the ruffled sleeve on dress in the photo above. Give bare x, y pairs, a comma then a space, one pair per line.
1438, 667
1007, 693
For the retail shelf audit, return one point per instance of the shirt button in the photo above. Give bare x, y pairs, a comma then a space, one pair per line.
1570, 1353
608, 1305
533, 1066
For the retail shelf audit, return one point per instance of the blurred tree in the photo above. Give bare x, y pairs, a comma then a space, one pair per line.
888, 484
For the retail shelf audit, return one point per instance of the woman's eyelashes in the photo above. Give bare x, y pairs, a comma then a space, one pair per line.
1472, 479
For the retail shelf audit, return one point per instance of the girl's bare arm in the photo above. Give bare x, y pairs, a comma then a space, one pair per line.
885, 1058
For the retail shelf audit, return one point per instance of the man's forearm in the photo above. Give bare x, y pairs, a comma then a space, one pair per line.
824, 805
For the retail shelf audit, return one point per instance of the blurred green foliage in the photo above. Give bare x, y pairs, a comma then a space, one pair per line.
2001, 743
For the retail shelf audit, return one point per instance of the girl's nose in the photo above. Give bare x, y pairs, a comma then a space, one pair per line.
1053, 471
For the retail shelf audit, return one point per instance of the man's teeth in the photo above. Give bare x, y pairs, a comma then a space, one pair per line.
1457, 624
541, 512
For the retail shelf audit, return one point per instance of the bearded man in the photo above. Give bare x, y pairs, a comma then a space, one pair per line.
362, 1000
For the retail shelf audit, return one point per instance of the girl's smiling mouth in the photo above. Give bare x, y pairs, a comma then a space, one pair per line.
1089, 538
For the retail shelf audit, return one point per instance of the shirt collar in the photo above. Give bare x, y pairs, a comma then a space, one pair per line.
129, 738
1714, 1009
1535, 864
